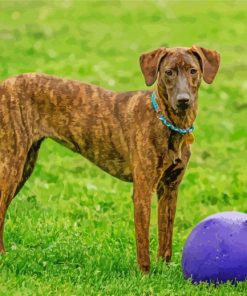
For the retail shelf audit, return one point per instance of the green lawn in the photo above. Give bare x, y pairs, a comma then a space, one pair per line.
70, 230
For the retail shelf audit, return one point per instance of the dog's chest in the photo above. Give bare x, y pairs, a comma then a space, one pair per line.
175, 150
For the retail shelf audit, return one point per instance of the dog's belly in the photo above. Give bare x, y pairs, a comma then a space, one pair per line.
110, 157
111, 162
102, 141
116, 168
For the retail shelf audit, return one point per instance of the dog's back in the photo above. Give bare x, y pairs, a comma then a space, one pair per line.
88, 119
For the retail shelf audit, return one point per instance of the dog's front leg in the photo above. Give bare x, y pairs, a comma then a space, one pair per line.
167, 191
142, 206
167, 199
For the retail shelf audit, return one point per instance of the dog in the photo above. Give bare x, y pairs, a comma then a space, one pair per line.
142, 137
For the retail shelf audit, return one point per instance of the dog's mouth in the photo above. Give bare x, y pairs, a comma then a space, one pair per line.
183, 106
181, 109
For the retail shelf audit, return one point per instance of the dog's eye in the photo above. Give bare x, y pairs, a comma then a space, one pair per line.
169, 72
193, 71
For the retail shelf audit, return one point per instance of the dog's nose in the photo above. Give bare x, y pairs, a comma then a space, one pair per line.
183, 98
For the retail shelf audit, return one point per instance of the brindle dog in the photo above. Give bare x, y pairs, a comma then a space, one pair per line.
119, 132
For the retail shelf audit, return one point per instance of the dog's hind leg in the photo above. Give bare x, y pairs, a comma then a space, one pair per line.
11, 171
29, 164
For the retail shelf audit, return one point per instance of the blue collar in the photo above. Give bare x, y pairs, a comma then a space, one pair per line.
168, 123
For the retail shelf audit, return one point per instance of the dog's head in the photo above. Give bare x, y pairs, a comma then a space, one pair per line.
179, 72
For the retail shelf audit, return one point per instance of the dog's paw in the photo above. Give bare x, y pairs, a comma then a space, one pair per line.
145, 269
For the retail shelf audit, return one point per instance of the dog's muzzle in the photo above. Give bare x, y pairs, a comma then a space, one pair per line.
183, 101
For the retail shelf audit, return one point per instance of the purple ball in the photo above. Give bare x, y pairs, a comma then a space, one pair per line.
216, 249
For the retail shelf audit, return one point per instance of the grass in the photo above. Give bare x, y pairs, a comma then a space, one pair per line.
70, 230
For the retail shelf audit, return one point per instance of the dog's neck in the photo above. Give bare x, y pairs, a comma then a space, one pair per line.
183, 119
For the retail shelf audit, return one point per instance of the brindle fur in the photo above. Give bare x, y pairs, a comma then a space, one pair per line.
119, 132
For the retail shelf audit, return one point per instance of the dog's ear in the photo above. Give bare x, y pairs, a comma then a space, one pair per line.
149, 63
209, 61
